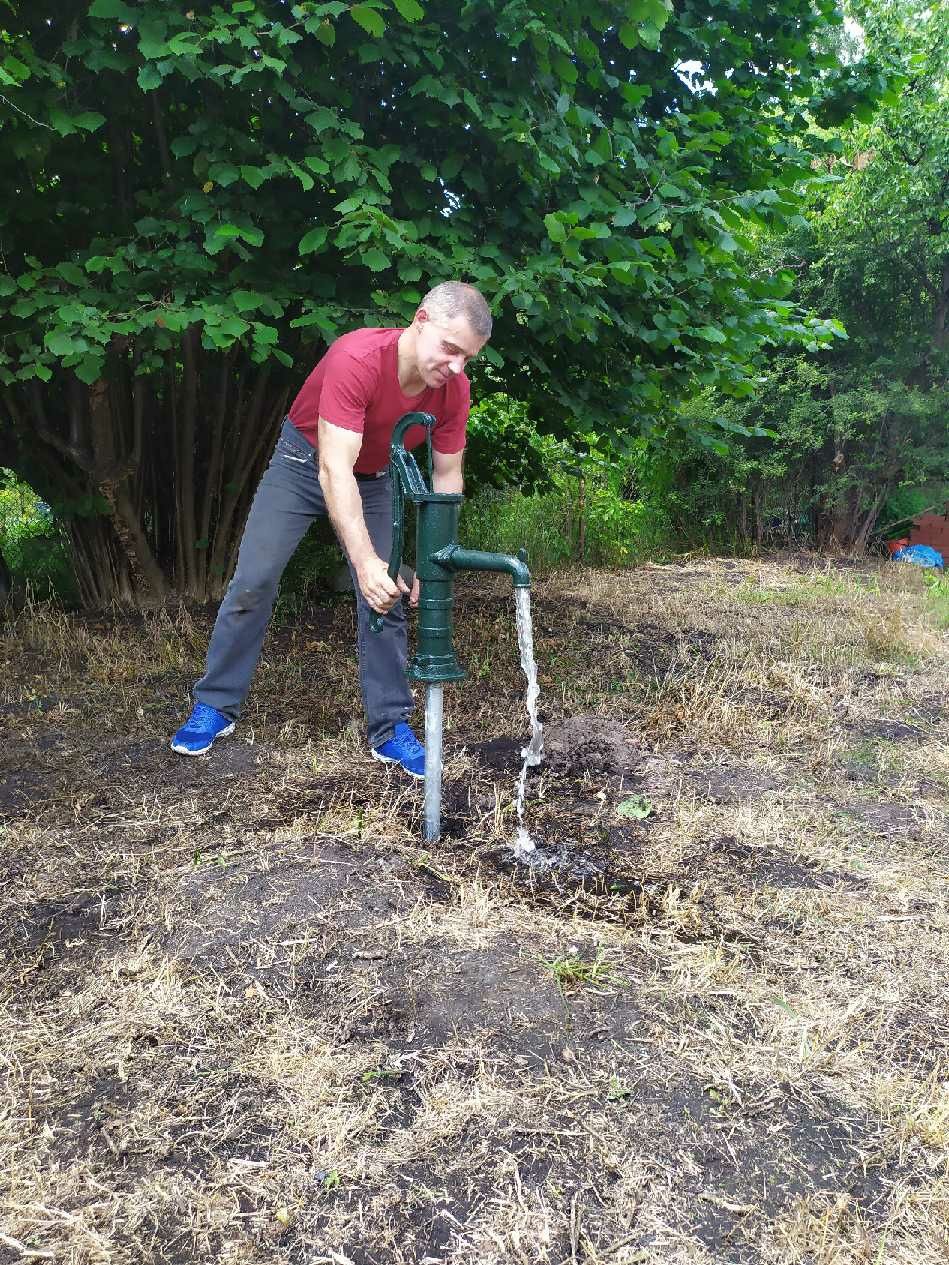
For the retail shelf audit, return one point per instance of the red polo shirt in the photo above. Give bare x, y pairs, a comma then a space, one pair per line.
356, 386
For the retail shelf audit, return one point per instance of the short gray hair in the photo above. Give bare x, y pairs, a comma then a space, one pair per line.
457, 298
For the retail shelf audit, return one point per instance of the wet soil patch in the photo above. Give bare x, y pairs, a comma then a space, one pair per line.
501, 754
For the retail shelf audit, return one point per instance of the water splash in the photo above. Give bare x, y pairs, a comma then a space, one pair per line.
533, 753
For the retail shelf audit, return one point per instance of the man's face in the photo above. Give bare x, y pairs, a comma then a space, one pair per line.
443, 346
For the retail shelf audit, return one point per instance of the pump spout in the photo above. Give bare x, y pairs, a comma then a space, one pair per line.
454, 558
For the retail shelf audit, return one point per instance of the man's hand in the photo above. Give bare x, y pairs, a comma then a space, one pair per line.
377, 587
413, 596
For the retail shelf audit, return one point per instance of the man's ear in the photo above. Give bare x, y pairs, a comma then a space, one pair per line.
421, 316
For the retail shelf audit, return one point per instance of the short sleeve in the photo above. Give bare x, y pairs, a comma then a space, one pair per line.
449, 433
348, 387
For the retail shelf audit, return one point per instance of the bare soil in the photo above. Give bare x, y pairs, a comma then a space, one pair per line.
248, 1017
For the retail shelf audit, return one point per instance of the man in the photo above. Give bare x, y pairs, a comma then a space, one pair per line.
332, 458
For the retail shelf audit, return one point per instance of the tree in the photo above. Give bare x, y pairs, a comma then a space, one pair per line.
858, 422
198, 199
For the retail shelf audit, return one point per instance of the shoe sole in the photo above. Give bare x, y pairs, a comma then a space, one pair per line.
189, 751
390, 759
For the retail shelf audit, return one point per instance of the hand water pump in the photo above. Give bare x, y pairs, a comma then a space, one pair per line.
438, 556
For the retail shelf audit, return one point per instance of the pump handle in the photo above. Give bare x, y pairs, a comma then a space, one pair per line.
406, 478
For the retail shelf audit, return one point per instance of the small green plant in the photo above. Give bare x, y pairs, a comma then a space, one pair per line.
637, 806
572, 971
377, 1075
618, 1090
937, 590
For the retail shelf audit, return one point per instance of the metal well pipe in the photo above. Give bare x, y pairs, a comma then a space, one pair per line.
434, 700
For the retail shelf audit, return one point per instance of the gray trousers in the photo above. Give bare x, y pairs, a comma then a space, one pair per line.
288, 499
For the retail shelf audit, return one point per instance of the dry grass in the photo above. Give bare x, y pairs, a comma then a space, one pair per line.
247, 1018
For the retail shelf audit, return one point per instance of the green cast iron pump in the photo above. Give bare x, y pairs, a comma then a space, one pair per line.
438, 556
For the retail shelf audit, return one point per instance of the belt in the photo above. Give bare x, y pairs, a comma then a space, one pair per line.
367, 478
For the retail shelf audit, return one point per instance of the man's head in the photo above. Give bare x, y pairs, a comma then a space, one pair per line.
452, 324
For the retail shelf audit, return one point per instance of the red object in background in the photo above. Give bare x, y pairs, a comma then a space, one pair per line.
893, 545
932, 530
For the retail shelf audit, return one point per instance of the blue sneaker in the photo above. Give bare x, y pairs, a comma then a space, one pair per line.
403, 748
200, 729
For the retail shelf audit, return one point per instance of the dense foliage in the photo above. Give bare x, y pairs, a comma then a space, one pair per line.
856, 425
198, 198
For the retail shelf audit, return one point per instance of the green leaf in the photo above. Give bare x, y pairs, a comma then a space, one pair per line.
411, 10
368, 19
350, 204
649, 33
629, 35
374, 259
15, 71
223, 174
326, 33
149, 77
72, 273
61, 122
711, 334
111, 9
246, 300
313, 241
565, 68
253, 176
637, 806
320, 119
555, 229
59, 342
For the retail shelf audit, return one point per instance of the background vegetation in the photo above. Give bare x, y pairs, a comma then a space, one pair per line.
721, 291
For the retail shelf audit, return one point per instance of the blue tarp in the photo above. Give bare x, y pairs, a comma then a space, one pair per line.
919, 556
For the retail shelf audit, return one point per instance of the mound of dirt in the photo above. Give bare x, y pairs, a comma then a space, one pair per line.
593, 744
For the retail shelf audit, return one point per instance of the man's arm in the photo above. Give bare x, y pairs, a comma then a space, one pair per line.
447, 471
338, 450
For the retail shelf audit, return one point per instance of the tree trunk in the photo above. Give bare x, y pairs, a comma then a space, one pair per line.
134, 477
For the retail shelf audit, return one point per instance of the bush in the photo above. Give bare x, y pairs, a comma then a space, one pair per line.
31, 541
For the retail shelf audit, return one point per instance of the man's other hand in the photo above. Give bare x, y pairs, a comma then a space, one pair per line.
377, 587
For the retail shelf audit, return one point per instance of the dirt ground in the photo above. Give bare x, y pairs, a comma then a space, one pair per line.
248, 1018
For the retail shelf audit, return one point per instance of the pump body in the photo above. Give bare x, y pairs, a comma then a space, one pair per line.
438, 556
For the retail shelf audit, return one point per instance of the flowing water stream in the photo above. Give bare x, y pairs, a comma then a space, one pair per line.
533, 753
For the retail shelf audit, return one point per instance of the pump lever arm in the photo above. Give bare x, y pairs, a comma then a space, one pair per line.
406, 480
